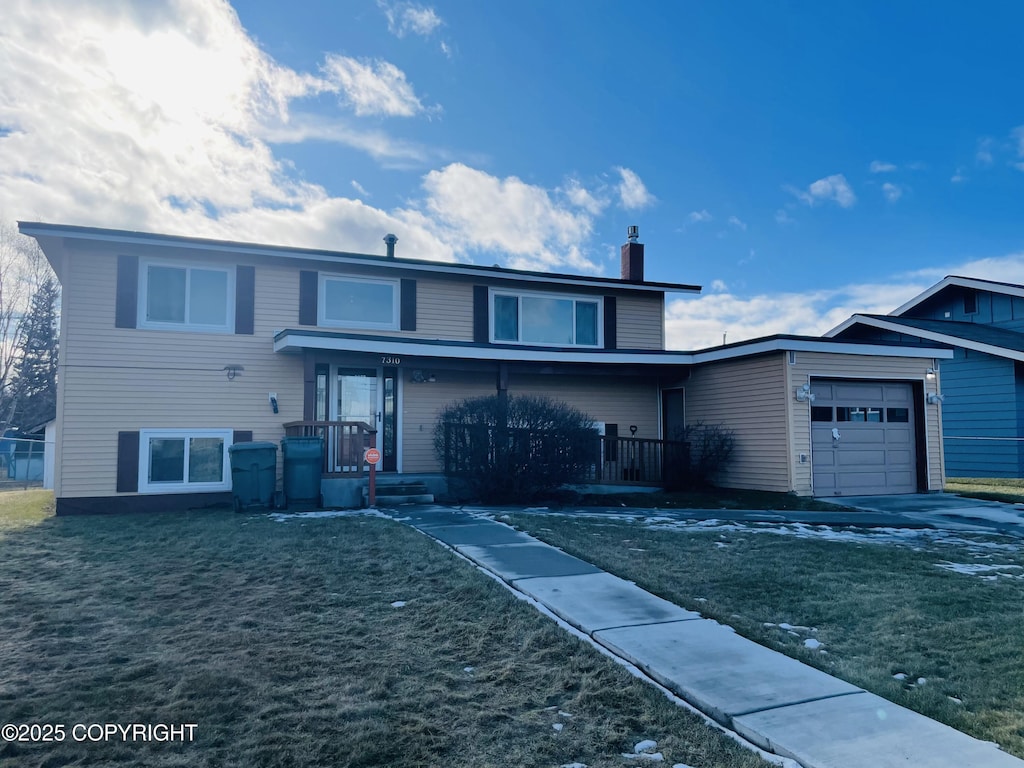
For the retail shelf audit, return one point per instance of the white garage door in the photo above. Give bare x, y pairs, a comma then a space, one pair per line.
862, 438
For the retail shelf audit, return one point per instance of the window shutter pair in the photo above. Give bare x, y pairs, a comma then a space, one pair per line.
309, 292
482, 325
126, 302
128, 458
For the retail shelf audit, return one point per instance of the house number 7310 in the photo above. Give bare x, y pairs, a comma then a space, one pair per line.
391, 361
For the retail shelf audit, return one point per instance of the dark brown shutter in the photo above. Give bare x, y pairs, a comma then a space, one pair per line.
127, 462
126, 304
241, 436
245, 299
611, 323
309, 287
481, 324
408, 321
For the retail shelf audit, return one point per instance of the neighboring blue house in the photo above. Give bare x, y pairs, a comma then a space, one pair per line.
983, 385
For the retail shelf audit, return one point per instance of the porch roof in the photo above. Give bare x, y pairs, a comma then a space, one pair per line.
295, 341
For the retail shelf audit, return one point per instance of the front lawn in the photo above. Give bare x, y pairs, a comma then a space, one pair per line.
709, 498
344, 641
930, 620
992, 489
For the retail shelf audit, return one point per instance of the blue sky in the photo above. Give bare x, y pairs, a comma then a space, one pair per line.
801, 161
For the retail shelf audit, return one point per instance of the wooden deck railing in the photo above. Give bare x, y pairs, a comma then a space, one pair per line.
590, 457
344, 444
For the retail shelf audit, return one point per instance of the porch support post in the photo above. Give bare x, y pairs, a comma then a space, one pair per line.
503, 381
308, 385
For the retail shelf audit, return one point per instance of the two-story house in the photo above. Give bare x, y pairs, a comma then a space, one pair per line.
982, 321
174, 348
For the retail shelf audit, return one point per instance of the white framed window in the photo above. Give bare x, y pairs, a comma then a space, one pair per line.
184, 460
186, 297
546, 319
356, 302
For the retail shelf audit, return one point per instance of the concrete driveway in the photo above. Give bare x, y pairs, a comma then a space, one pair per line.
943, 510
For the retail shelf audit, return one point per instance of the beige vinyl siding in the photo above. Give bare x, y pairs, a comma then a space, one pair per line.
641, 322
622, 400
810, 365
749, 397
117, 379
422, 402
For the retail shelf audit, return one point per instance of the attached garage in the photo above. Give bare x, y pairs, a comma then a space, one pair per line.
864, 438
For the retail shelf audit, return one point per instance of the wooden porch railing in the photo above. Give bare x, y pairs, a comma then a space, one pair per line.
344, 444
592, 458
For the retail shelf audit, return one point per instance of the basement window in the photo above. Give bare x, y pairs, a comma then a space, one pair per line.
184, 460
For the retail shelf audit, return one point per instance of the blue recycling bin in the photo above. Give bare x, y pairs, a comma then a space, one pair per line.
303, 462
253, 475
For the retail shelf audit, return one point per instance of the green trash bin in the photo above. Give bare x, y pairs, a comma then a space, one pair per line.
253, 475
303, 461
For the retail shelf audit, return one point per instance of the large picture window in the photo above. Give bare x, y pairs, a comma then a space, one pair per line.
184, 460
349, 302
545, 319
186, 297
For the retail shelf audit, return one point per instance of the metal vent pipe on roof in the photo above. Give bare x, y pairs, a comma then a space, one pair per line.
390, 240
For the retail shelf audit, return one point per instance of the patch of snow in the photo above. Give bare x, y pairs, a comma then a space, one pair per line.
794, 634
563, 714
720, 545
680, 765
468, 670
922, 680
647, 745
812, 644
701, 599
398, 604
900, 676
654, 757
977, 569
955, 700
573, 765
558, 727
281, 517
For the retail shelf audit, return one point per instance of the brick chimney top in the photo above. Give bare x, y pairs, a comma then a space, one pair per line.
633, 257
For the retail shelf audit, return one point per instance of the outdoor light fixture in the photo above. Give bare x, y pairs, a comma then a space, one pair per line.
233, 370
930, 373
935, 398
803, 394
419, 377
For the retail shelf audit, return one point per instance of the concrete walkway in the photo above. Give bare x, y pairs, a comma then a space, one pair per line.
775, 702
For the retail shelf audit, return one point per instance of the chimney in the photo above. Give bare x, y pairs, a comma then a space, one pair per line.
391, 240
633, 257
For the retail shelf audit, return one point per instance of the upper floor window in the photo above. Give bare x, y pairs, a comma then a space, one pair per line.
186, 297
545, 319
351, 302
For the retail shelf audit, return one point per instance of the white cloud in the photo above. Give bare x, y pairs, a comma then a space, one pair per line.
405, 18
360, 189
632, 192
782, 217
696, 217
736, 222
983, 155
371, 87
719, 286
834, 188
159, 117
892, 192
581, 197
958, 176
695, 323
479, 212
878, 166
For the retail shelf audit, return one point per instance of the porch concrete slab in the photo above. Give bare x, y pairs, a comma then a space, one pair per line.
522, 561
866, 731
479, 532
719, 672
594, 601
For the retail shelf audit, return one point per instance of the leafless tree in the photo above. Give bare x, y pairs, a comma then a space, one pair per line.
23, 268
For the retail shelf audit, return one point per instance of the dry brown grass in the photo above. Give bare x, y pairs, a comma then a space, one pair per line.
280, 642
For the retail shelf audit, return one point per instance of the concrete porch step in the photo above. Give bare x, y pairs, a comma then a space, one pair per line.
400, 493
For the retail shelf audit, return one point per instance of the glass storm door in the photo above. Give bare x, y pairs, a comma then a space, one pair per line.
358, 399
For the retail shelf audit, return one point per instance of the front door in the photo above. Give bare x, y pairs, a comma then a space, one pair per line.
370, 396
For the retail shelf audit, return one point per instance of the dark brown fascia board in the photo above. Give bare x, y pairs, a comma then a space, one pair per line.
126, 237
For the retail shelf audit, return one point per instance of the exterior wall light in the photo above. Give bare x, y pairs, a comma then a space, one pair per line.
803, 394
934, 398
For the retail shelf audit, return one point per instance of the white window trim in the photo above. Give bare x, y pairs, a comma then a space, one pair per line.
321, 303
599, 300
143, 298
145, 486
